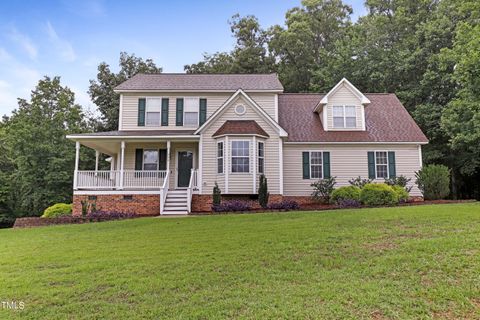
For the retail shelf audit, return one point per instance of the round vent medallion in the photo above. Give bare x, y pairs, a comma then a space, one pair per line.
240, 109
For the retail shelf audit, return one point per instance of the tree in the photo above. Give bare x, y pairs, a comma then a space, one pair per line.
101, 90
263, 194
6, 169
307, 46
35, 140
250, 54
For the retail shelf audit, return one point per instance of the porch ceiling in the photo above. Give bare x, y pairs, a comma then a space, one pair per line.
111, 145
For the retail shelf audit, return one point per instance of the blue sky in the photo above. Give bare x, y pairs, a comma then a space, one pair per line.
70, 38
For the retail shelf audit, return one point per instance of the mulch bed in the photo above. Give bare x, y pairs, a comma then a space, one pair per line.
321, 207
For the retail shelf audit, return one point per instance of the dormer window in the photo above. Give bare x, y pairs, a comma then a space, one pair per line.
344, 117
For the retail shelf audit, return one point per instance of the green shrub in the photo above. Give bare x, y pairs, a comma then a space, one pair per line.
322, 189
263, 192
402, 194
378, 194
217, 195
57, 210
345, 193
434, 181
401, 181
359, 182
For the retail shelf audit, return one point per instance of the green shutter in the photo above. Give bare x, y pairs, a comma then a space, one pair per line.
203, 111
141, 112
162, 159
179, 112
164, 111
306, 165
371, 165
326, 165
391, 164
138, 159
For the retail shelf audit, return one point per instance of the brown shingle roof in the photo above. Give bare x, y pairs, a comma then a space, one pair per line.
240, 127
387, 120
186, 81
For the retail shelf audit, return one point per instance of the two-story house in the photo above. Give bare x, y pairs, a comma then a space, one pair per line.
179, 134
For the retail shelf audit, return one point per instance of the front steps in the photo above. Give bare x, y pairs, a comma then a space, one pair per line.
176, 203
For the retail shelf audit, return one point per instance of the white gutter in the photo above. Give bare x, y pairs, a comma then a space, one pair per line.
356, 142
72, 136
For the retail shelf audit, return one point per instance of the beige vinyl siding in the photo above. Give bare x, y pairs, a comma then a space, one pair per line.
129, 163
344, 96
239, 183
129, 115
346, 162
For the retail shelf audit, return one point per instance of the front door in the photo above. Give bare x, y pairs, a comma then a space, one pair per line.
185, 165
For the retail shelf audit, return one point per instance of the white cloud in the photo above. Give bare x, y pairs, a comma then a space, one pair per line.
63, 47
24, 42
18, 80
86, 8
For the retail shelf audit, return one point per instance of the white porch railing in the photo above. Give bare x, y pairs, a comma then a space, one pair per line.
192, 185
164, 191
111, 179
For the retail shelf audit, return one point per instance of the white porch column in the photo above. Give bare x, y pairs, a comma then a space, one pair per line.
254, 153
77, 159
168, 155
122, 162
97, 154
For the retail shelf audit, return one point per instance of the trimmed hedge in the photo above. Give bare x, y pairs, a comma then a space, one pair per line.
378, 194
345, 193
402, 194
57, 210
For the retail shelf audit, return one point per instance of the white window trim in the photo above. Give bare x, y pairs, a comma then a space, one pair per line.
310, 164
143, 160
249, 157
375, 161
146, 112
259, 157
222, 157
198, 113
344, 116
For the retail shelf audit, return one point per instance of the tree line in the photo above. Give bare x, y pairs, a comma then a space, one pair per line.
425, 51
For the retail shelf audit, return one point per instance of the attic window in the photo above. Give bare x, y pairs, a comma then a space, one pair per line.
344, 117
240, 109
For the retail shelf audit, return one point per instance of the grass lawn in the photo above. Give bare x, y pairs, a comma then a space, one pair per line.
405, 262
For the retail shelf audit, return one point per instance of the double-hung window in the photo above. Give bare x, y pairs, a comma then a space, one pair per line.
220, 157
381, 164
316, 164
190, 112
344, 117
150, 159
240, 156
153, 111
261, 157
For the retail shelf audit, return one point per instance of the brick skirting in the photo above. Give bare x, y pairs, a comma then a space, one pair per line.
142, 204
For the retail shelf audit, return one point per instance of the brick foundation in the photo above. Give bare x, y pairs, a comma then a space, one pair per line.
142, 204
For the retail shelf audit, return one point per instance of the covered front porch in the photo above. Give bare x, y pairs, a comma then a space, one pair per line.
139, 165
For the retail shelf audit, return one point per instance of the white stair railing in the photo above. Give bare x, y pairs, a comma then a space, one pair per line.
191, 185
164, 191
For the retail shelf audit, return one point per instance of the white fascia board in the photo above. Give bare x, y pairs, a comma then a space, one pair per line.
363, 99
77, 137
220, 110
